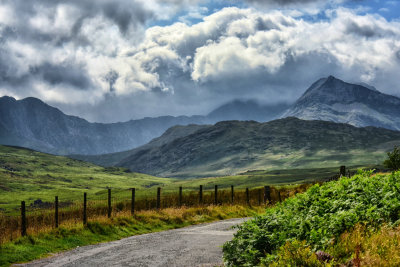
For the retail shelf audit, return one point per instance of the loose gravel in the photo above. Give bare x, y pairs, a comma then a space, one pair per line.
199, 245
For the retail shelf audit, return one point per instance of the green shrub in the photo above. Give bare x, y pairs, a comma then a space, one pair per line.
393, 160
318, 216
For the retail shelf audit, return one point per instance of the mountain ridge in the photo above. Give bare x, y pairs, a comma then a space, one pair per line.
32, 123
230, 147
332, 99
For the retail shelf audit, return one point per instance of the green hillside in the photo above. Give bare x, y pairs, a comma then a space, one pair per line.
29, 175
168, 136
231, 147
260, 178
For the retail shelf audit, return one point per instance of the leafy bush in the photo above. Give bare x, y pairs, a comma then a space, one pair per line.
393, 161
318, 217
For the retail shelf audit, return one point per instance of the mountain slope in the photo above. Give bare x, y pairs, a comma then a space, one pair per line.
233, 146
32, 123
170, 135
331, 99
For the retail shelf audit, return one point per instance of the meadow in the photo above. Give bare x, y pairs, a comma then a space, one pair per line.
36, 178
27, 175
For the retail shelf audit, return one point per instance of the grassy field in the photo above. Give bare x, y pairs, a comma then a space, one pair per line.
260, 178
29, 175
287, 160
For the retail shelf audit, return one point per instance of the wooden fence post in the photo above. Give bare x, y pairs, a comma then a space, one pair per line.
342, 170
201, 195
109, 204
23, 219
259, 197
158, 197
85, 209
216, 195
133, 201
247, 196
279, 196
180, 196
56, 211
232, 194
267, 194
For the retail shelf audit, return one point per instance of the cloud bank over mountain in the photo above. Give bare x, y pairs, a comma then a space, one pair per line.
116, 60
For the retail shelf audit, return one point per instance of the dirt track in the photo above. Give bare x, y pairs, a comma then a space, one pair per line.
198, 245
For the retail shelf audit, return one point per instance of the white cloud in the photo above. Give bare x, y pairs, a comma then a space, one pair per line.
231, 53
7, 15
94, 37
236, 41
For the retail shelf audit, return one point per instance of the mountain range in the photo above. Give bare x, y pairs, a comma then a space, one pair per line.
230, 147
33, 124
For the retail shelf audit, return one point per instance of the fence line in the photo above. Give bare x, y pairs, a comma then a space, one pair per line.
34, 221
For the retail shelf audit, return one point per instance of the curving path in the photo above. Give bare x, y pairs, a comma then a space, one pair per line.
199, 245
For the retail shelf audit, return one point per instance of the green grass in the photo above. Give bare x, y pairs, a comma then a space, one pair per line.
283, 159
27, 175
262, 177
102, 230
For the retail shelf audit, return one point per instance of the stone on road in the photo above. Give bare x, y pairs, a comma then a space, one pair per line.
199, 245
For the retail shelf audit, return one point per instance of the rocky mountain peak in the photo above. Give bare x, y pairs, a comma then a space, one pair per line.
332, 99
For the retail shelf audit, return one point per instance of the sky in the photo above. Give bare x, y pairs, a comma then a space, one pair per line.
116, 60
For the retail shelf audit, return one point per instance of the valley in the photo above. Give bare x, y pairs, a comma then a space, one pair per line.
27, 175
34, 124
269, 154
120, 119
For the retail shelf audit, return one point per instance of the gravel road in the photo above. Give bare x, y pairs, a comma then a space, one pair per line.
198, 245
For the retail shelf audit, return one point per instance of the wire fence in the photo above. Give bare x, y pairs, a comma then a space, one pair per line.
47, 216
41, 217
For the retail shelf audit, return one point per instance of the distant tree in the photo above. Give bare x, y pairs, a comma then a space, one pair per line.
393, 160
